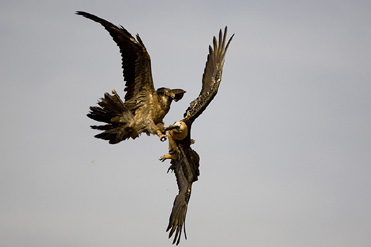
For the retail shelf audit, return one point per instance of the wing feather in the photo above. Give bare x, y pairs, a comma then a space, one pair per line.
186, 170
179, 210
136, 62
211, 78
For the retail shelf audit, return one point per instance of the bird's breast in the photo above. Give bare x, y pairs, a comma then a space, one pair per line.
159, 109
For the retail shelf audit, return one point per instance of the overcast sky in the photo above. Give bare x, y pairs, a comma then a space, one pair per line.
285, 146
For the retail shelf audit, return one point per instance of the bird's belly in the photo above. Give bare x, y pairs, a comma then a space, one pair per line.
158, 115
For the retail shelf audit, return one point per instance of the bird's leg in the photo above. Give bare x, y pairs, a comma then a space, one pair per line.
165, 157
173, 149
173, 154
161, 132
162, 136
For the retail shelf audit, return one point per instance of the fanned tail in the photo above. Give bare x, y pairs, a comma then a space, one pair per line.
116, 115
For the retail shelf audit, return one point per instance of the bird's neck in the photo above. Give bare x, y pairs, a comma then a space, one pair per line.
165, 103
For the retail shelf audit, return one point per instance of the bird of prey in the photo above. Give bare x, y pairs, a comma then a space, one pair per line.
184, 160
144, 107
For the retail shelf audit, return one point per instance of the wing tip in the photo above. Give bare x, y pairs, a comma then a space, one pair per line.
221, 40
83, 13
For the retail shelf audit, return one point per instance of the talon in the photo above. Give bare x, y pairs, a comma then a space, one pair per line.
165, 157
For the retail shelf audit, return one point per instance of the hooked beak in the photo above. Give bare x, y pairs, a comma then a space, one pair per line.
171, 127
177, 94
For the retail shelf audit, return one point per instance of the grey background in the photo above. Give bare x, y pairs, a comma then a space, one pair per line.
285, 146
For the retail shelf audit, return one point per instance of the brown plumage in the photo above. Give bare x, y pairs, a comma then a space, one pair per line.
185, 161
144, 107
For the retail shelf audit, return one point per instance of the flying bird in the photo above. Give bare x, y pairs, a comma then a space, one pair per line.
185, 161
143, 108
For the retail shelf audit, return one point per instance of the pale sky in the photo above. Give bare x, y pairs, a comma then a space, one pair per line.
285, 146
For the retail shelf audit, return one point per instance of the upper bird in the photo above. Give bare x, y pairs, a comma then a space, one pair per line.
144, 107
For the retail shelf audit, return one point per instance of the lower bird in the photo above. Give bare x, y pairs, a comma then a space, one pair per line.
185, 161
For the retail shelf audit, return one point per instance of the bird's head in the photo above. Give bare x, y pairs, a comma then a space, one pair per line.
178, 130
174, 94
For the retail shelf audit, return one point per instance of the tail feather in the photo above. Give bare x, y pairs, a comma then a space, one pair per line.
115, 135
112, 111
100, 114
103, 127
113, 103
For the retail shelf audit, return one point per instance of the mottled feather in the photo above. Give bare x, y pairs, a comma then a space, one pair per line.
186, 172
144, 107
186, 163
211, 78
136, 62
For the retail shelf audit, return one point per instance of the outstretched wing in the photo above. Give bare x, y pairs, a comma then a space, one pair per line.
186, 172
136, 62
179, 211
211, 78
